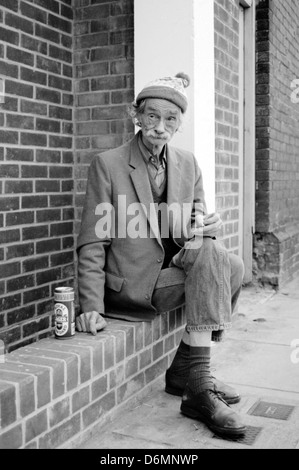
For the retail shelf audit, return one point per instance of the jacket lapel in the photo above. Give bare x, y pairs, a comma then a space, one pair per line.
142, 187
174, 180
173, 176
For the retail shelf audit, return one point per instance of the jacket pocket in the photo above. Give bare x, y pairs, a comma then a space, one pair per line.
114, 282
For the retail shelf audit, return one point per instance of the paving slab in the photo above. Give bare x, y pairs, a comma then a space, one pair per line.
158, 424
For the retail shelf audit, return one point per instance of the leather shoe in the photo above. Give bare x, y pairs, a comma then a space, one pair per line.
175, 385
209, 407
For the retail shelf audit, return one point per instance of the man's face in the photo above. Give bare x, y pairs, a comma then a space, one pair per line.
159, 122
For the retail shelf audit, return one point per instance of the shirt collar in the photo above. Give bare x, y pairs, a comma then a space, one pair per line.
146, 154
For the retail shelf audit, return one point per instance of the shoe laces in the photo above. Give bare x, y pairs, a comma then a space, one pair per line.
218, 392
216, 395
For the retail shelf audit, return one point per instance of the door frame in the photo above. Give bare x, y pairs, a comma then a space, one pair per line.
248, 139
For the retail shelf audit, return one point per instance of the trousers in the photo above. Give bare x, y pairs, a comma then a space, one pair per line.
207, 280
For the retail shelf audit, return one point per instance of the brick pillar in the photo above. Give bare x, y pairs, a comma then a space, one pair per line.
276, 240
228, 174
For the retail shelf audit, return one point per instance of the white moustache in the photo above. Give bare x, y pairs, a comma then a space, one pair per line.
150, 133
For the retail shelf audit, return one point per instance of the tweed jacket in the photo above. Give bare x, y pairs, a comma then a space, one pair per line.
117, 269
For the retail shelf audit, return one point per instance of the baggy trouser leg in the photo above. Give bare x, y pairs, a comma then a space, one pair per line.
207, 286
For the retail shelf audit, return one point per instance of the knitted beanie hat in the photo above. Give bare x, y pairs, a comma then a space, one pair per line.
168, 88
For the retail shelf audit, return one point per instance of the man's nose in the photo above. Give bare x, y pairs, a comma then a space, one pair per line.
160, 127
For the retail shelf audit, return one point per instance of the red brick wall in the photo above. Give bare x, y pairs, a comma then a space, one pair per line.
227, 120
104, 82
51, 60
54, 393
36, 164
277, 166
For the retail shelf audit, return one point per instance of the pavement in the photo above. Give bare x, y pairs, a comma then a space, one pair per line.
259, 356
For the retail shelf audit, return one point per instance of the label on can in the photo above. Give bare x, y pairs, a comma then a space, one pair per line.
64, 312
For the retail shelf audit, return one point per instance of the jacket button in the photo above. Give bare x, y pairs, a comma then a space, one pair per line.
159, 260
147, 297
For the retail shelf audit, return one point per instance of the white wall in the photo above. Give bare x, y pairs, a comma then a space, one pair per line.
178, 36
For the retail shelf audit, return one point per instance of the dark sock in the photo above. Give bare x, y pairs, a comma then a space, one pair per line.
200, 374
217, 335
181, 362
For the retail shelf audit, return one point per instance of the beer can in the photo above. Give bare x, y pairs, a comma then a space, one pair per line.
64, 312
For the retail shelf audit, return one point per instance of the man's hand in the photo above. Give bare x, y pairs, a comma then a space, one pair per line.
207, 225
211, 225
90, 322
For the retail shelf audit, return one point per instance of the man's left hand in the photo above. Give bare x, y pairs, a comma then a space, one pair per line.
207, 225
212, 224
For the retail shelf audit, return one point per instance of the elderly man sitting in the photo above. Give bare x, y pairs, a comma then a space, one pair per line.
136, 266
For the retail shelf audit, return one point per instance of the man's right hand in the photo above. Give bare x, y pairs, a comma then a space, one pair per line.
90, 322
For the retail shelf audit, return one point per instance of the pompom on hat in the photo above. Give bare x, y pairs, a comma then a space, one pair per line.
168, 88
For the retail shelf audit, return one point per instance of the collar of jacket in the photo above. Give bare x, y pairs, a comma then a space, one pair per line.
148, 155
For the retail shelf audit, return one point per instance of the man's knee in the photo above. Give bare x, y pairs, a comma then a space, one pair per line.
210, 248
209, 255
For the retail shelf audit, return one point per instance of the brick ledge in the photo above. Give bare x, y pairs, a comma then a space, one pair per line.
55, 392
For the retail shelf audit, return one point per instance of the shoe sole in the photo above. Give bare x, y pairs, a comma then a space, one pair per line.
232, 432
179, 393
